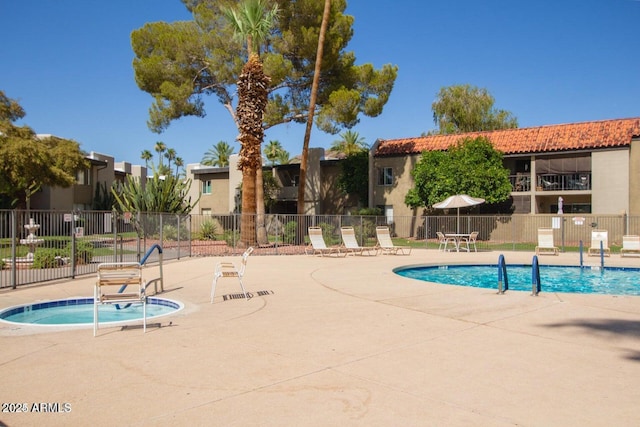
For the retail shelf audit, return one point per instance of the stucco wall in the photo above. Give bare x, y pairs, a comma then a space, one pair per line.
634, 177
610, 182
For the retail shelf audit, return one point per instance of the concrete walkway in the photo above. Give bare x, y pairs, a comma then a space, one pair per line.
333, 342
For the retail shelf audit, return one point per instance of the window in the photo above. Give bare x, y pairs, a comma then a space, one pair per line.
83, 177
206, 187
205, 211
385, 176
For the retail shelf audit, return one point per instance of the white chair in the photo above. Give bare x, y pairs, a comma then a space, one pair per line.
630, 245
351, 245
443, 241
598, 236
385, 244
123, 275
468, 241
545, 242
228, 269
318, 246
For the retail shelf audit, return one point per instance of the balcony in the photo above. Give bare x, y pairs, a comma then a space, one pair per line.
552, 182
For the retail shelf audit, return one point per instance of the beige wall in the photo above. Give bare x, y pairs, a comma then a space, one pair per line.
634, 177
218, 200
393, 195
610, 181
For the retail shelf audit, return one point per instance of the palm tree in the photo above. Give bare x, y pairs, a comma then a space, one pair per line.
217, 155
312, 107
252, 21
272, 151
170, 155
179, 162
283, 157
350, 142
146, 155
160, 148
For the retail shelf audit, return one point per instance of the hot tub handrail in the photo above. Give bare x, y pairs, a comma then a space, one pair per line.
155, 281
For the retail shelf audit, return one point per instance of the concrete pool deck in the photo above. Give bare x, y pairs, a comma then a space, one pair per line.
327, 341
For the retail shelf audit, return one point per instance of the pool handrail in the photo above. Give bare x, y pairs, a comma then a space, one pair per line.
502, 272
535, 276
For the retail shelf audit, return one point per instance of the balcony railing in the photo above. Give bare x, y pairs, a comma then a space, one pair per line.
552, 182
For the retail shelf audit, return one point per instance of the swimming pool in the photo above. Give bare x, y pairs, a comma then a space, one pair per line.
569, 279
79, 311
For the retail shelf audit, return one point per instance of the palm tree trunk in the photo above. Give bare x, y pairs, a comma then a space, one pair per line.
312, 107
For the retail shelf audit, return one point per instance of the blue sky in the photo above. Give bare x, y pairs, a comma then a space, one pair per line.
68, 63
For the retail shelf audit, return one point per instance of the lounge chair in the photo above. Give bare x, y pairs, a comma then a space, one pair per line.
385, 244
228, 269
318, 246
545, 242
351, 246
468, 241
598, 236
127, 276
444, 240
630, 245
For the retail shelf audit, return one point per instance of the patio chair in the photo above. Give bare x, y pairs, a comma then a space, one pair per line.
385, 244
351, 246
228, 269
444, 240
598, 236
545, 242
318, 246
630, 245
123, 275
466, 242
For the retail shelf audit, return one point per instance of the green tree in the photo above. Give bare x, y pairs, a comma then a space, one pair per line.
466, 108
146, 155
252, 20
181, 63
272, 151
160, 148
170, 155
28, 162
283, 157
218, 155
179, 162
471, 166
350, 142
159, 194
354, 176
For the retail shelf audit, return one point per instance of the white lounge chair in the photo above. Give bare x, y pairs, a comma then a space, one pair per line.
545, 242
444, 240
385, 244
127, 277
630, 245
228, 269
351, 245
318, 245
598, 236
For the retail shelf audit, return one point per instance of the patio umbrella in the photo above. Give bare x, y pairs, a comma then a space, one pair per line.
458, 201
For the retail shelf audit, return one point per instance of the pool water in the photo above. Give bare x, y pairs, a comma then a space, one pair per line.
585, 280
80, 311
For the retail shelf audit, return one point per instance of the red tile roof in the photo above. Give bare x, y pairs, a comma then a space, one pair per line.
552, 138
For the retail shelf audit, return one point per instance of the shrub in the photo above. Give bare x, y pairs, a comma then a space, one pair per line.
231, 237
170, 232
208, 230
84, 252
46, 258
290, 231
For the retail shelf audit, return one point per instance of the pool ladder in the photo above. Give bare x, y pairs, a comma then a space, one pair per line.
503, 278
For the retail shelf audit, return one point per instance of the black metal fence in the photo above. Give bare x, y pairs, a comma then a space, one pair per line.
39, 246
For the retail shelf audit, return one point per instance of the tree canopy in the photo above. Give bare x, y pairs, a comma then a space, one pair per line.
181, 63
350, 142
29, 161
472, 166
218, 155
466, 108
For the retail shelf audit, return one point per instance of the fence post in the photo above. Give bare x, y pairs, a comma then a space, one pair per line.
14, 249
73, 244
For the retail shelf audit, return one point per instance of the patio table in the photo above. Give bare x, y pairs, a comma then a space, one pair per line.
457, 239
